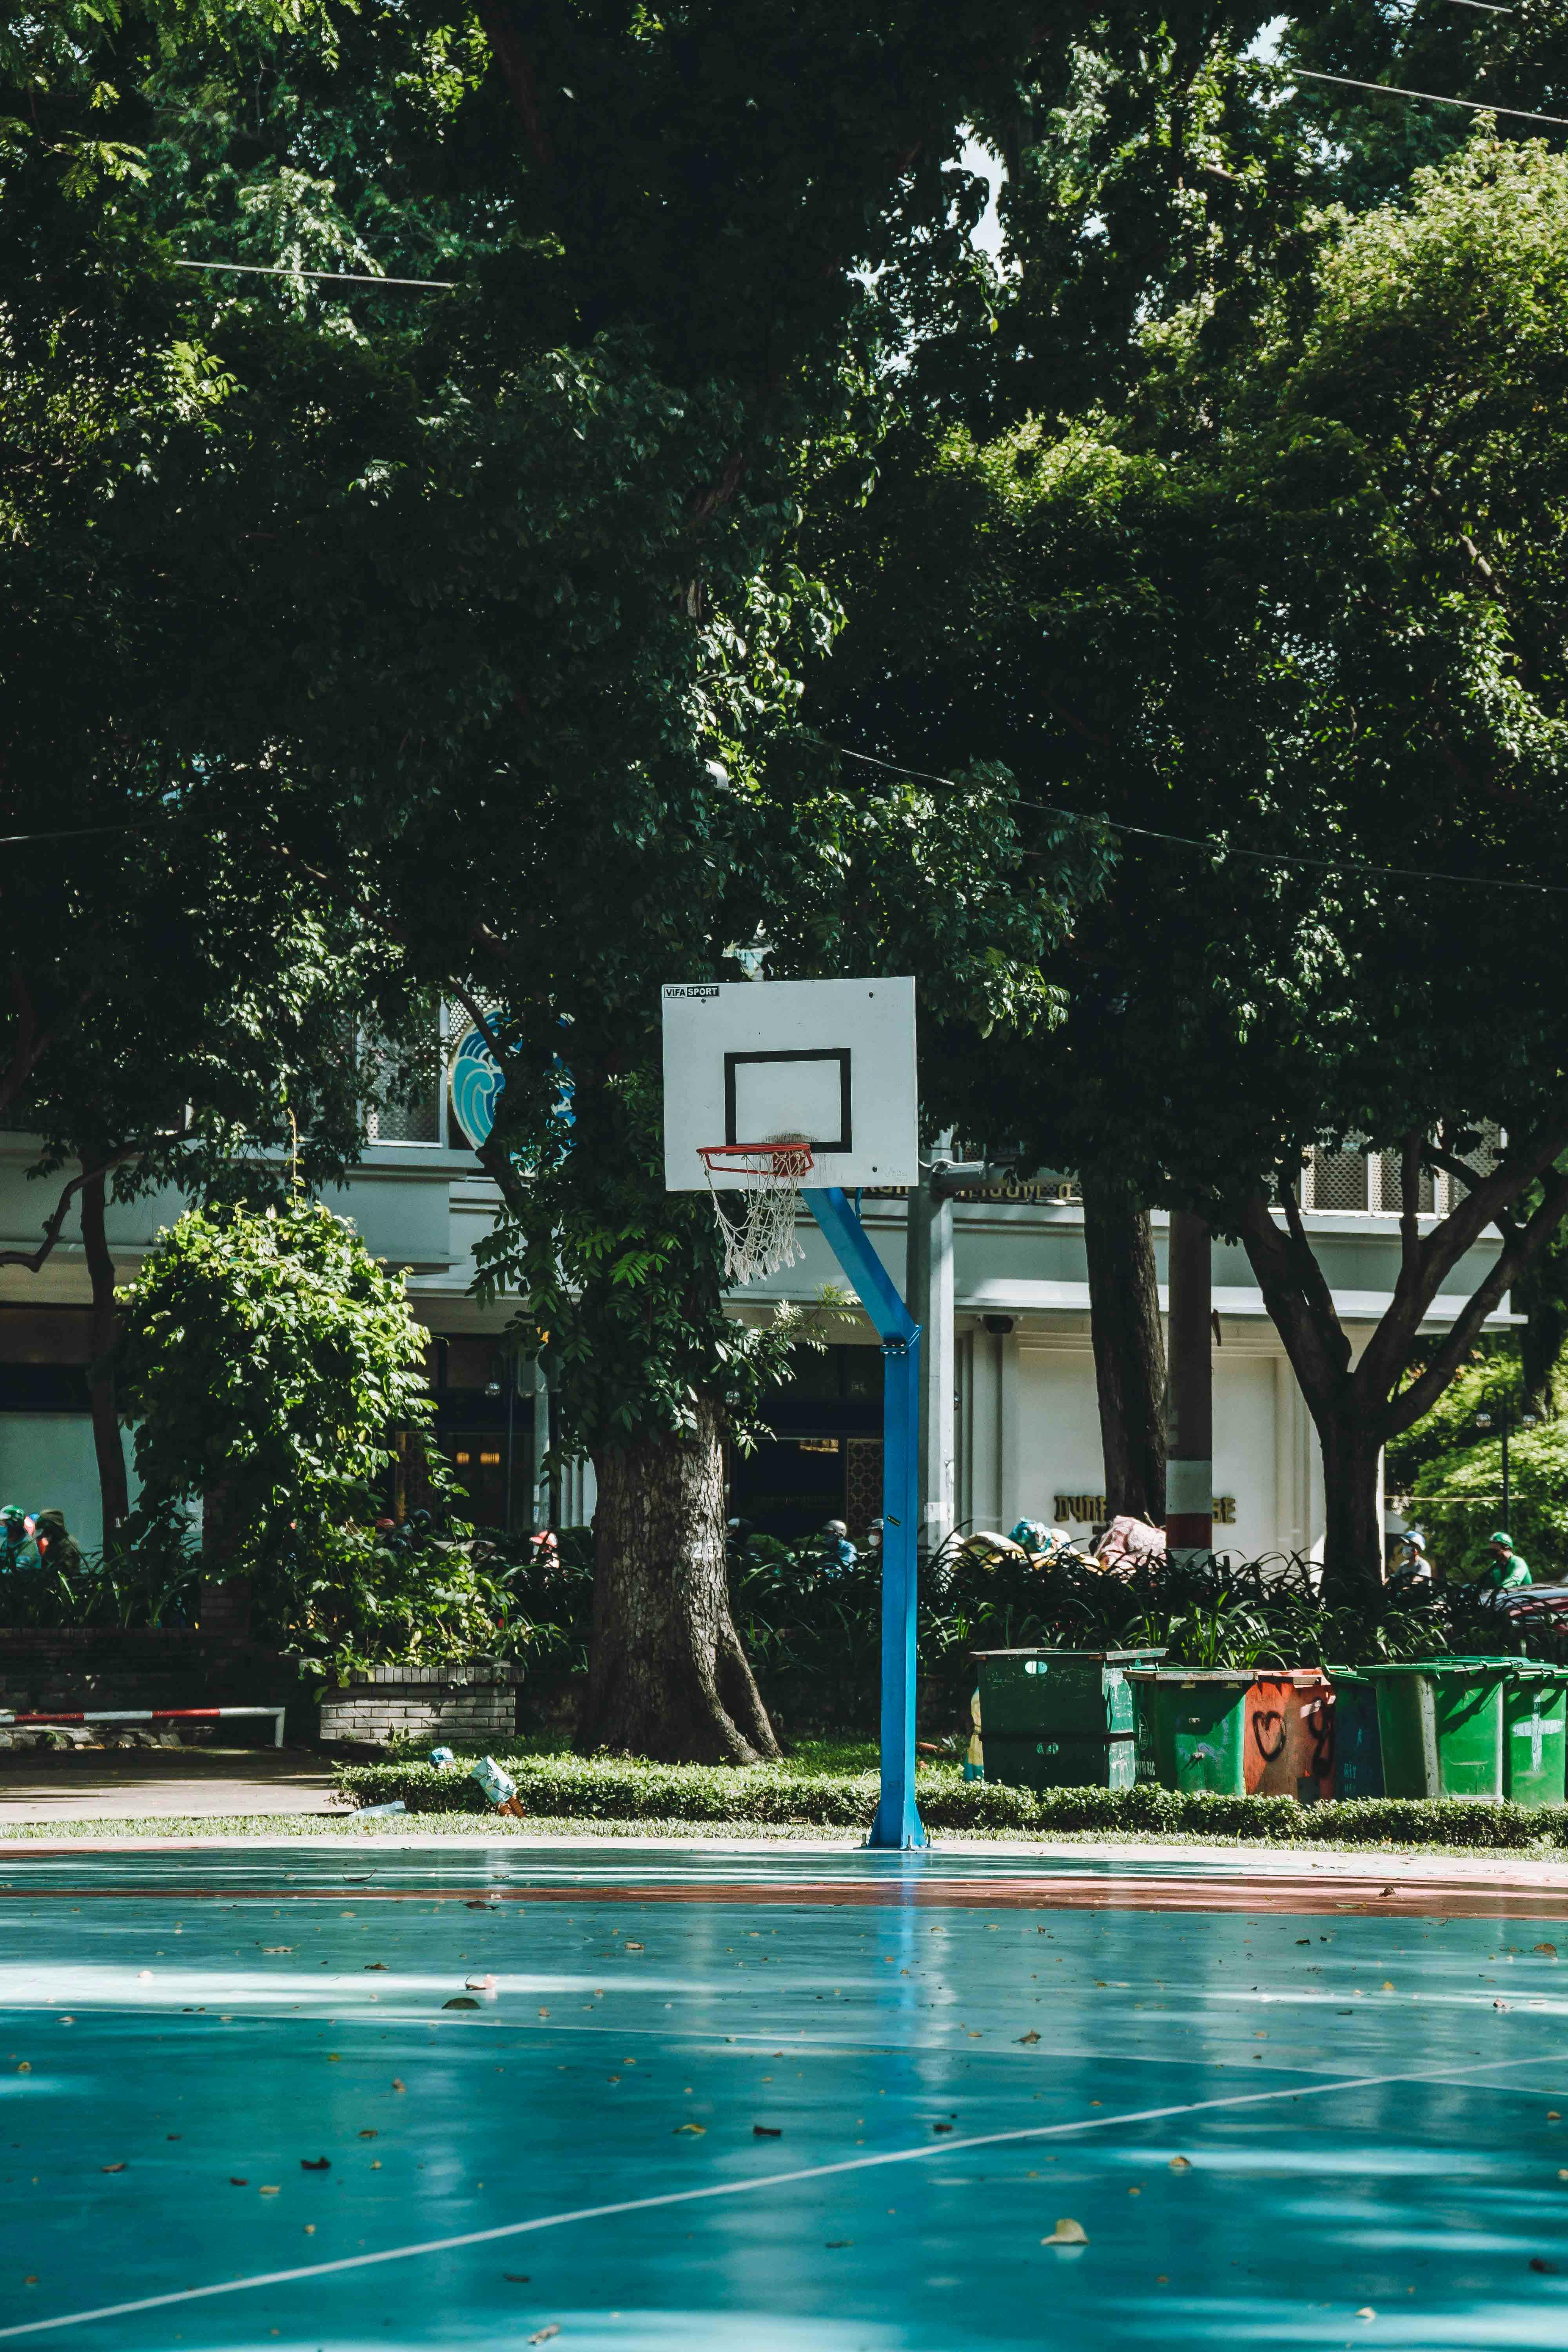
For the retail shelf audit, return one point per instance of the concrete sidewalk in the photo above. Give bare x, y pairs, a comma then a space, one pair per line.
161, 1784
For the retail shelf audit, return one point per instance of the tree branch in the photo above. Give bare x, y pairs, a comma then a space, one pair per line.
34, 1259
1410, 1206
1424, 1391
1297, 1297
517, 72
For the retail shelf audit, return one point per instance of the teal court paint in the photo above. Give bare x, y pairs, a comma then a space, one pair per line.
1265, 2120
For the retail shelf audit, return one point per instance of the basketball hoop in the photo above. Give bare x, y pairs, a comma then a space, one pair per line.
761, 1239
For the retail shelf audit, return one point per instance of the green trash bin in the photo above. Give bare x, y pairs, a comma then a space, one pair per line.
1199, 1715
1358, 1751
1534, 1738
1059, 1719
1439, 1722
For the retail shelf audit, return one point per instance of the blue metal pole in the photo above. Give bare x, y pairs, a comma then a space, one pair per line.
897, 1822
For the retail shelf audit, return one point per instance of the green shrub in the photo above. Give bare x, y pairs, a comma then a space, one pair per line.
618, 1788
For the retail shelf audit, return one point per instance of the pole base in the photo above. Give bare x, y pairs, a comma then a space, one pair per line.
897, 1827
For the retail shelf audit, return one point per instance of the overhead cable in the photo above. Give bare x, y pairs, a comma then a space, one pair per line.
1431, 97
1221, 848
74, 832
326, 277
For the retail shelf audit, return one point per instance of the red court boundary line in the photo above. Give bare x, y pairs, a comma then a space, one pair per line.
1289, 1897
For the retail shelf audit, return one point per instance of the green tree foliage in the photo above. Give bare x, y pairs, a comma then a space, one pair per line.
1310, 610
266, 1355
272, 1367
493, 598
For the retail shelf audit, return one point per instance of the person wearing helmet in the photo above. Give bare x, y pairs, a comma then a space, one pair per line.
57, 1547
1412, 1563
16, 1539
1508, 1568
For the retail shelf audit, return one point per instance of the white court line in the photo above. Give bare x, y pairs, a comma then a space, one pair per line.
742, 2188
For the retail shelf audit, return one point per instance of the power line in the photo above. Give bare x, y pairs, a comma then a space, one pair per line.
1222, 848
1432, 96
73, 833
327, 277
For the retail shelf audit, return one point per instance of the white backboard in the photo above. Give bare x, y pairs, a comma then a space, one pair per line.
749, 1061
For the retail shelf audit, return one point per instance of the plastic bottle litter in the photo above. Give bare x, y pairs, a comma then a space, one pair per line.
442, 1756
380, 1812
498, 1787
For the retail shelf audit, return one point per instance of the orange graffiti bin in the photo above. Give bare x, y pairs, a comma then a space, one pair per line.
1289, 1741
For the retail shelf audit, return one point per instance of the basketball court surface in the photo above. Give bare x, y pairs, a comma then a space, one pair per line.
257, 2096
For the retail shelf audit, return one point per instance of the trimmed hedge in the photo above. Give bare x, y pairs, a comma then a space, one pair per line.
618, 1788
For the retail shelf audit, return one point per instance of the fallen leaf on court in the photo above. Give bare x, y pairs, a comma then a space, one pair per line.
1550, 1949
31, 2279
481, 1984
371, 1965
370, 2135
696, 2130
112, 2167
315, 2164
1366, 2312
942, 2128
1030, 2036
1387, 1985
1553, 2116
1502, 2004
1068, 2232
235, 2182
309, 2229
634, 1948
273, 1949
461, 2001
1538, 2264
832, 2244
767, 2131
25, 2067
1303, 1939
397, 2085
544, 2335
518, 2278
143, 1975
1180, 2164
270, 2189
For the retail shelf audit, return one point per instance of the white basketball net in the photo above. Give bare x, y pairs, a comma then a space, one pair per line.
759, 1233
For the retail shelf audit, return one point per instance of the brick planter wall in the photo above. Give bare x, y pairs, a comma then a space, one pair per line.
475, 1705
78, 1668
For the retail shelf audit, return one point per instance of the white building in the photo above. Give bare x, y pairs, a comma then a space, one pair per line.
1028, 1435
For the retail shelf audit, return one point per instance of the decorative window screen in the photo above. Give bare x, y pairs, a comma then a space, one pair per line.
1392, 1180
1340, 1180
403, 1085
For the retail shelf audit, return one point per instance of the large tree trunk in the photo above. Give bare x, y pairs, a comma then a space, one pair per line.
667, 1677
1129, 1351
1352, 1524
113, 1489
